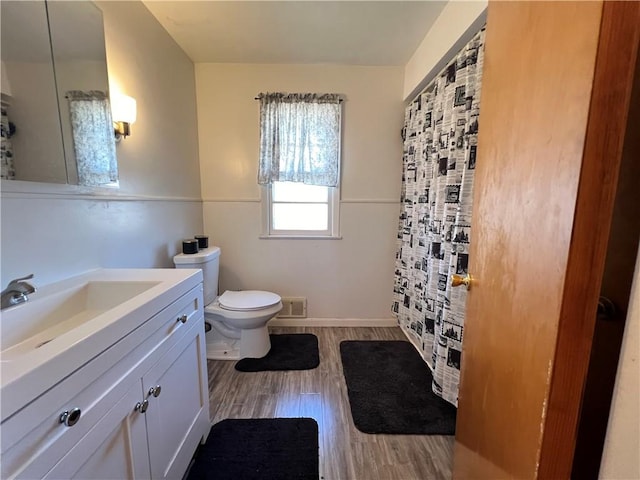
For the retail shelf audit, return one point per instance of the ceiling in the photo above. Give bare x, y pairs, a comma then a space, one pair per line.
373, 33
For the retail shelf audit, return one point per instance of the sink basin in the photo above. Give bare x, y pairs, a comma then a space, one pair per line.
41, 320
66, 324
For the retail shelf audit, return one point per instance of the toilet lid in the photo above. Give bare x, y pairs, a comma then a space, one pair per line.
247, 300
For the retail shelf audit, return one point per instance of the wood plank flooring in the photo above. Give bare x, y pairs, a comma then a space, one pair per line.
345, 452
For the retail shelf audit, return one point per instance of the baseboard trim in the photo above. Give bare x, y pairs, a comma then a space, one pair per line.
333, 322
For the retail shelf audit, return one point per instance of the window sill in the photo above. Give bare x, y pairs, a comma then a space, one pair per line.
300, 237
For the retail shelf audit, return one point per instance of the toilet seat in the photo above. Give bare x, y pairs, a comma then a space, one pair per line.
247, 300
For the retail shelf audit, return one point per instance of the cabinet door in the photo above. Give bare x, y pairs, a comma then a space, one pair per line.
115, 448
178, 418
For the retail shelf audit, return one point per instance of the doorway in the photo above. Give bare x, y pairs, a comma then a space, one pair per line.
617, 279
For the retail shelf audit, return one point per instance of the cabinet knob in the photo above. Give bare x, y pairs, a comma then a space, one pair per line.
155, 391
141, 406
183, 318
70, 417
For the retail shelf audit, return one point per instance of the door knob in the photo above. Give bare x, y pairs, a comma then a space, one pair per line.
606, 309
457, 280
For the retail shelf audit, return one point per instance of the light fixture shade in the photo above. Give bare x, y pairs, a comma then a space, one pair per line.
123, 109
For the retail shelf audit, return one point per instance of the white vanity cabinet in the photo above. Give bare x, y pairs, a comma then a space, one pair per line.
144, 406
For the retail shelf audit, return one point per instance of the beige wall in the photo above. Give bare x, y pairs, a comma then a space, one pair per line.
347, 278
454, 27
58, 231
620, 458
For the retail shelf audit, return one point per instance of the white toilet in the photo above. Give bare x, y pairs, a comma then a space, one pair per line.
238, 319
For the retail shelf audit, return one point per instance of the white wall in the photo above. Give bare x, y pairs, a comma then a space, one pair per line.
56, 232
161, 156
454, 27
347, 278
620, 458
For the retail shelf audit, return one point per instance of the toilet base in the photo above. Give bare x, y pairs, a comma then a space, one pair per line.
253, 343
222, 351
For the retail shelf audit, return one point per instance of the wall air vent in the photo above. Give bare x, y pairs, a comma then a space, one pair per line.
293, 307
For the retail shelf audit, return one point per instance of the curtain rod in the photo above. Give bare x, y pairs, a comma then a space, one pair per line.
339, 100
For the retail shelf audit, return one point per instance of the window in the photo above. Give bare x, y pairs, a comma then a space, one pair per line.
300, 164
93, 142
299, 210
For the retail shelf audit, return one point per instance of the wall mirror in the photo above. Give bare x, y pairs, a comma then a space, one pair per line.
56, 118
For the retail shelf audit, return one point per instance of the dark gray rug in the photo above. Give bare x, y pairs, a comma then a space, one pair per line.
292, 351
264, 448
389, 389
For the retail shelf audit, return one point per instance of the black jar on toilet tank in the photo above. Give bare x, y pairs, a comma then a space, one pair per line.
189, 246
203, 241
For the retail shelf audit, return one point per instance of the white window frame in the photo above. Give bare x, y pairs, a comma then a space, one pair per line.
333, 221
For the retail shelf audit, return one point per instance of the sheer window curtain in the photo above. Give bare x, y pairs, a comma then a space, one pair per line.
93, 137
299, 138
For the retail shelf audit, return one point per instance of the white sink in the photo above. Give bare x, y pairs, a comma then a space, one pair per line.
66, 324
41, 320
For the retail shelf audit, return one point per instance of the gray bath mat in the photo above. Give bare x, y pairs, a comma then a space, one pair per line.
389, 389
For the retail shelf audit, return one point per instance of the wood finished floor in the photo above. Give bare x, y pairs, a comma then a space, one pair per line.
345, 452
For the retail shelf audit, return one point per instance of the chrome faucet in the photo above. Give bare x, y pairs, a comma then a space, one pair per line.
17, 292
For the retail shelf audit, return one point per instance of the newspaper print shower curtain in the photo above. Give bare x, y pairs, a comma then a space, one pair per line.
7, 167
440, 138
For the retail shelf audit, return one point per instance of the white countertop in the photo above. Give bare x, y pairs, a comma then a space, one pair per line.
28, 372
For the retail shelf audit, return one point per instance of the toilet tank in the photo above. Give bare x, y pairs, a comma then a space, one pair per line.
208, 260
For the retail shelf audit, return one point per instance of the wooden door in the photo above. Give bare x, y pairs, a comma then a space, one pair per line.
555, 96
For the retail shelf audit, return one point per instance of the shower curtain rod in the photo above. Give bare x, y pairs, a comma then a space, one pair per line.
339, 100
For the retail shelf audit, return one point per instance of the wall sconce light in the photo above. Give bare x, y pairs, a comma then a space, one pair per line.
123, 111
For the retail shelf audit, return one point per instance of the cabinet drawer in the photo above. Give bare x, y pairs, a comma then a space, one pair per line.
33, 439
